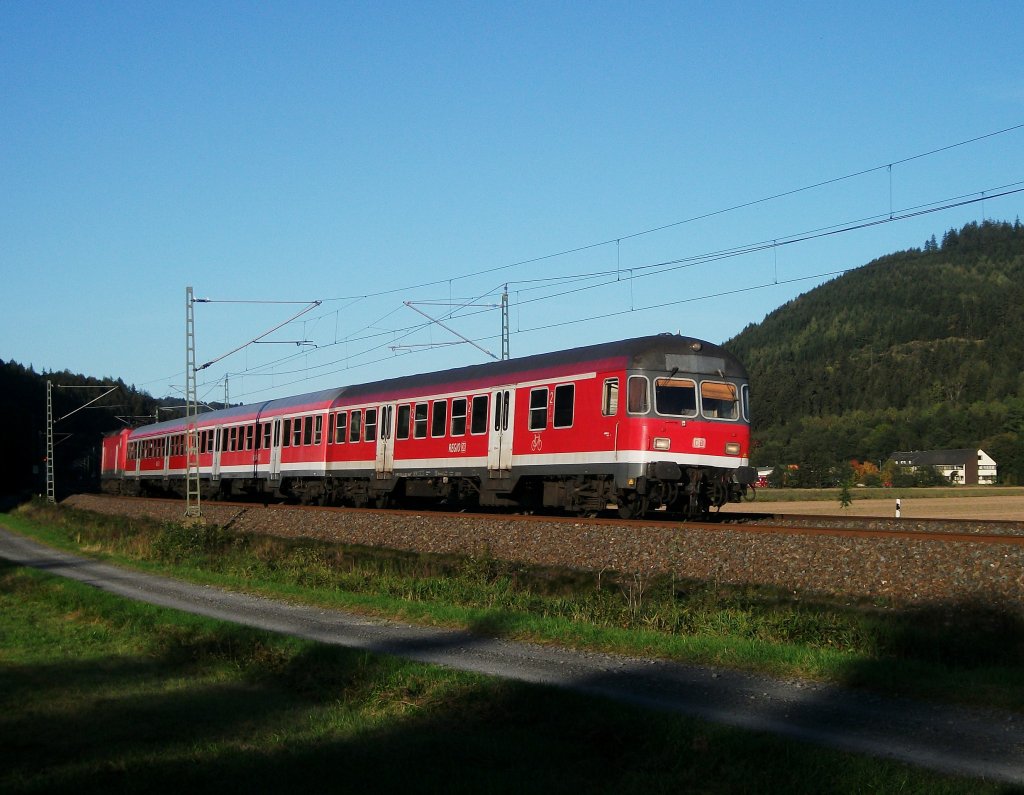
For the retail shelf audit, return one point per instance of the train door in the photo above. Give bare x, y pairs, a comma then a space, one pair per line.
218, 439
275, 451
386, 442
499, 442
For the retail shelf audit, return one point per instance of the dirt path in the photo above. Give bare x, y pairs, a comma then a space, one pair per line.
995, 507
975, 743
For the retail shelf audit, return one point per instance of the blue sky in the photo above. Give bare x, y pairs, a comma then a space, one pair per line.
352, 152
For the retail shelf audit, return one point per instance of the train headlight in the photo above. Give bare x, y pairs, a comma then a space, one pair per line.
732, 448
662, 443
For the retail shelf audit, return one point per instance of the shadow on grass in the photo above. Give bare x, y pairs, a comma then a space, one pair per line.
939, 649
237, 710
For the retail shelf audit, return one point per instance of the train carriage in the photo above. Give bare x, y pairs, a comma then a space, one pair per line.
636, 424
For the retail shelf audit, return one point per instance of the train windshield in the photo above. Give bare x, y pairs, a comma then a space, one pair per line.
675, 397
719, 401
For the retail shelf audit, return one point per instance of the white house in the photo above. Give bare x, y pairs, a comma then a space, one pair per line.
967, 467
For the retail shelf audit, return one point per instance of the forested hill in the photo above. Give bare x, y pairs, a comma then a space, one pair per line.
919, 349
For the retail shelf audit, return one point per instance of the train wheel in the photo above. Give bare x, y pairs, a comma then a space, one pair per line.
632, 506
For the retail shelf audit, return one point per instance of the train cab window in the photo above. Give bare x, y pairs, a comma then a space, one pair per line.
356, 426
675, 397
370, 432
439, 418
478, 422
402, 422
318, 429
458, 417
565, 397
719, 400
340, 425
419, 425
610, 397
538, 409
637, 399
287, 433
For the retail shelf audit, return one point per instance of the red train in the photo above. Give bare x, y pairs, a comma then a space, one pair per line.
636, 424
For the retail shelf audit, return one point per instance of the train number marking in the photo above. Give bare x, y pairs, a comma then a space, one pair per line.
457, 447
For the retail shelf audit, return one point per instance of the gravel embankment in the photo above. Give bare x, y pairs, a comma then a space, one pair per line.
904, 571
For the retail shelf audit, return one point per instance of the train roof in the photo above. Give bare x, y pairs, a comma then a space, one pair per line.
295, 403
664, 352
660, 353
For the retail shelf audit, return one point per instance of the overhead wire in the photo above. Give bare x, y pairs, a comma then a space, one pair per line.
657, 269
635, 272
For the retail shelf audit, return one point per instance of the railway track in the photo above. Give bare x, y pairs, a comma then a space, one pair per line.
945, 530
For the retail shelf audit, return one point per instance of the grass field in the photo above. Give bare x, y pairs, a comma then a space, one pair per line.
99, 694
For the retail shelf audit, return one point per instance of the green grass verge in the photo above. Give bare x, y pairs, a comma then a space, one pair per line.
103, 695
966, 653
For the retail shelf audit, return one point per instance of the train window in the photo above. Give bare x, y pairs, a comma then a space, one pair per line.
458, 417
538, 409
307, 430
675, 397
419, 425
439, 418
330, 429
402, 423
232, 440
339, 427
356, 427
287, 433
318, 429
386, 413
718, 400
745, 398
370, 432
565, 397
637, 399
478, 422
297, 432
610, 397
250, 435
